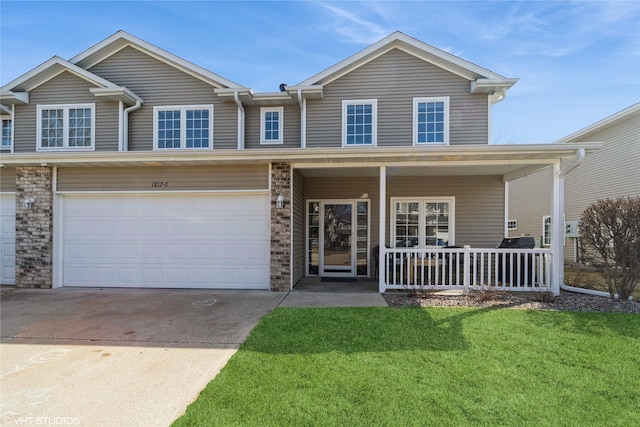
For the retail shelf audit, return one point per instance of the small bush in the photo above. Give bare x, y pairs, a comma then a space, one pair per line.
611, 233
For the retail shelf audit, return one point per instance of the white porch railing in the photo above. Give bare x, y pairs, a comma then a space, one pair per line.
467, 269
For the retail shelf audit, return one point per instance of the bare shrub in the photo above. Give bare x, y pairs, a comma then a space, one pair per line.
611, 233
580, 278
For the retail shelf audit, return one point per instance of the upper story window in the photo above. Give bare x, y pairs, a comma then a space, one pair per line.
7, 130
271, 120
183, 127
431, 120
359, 122
66, 127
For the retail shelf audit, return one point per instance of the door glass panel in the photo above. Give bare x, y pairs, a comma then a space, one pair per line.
437, 224
407, 224
314, 237
337, 236
363, 237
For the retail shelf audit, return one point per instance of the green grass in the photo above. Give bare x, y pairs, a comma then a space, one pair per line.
429, 366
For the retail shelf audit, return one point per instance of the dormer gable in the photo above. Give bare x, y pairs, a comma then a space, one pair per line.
121, 39
481, 80
17, 91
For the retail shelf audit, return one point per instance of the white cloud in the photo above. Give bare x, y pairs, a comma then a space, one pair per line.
354, 25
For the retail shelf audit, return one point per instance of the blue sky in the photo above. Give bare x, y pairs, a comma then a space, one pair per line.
577, 61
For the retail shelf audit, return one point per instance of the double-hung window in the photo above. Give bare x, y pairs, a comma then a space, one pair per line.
7, 131
422, 223
66, 127
183, 127
431, 121
359, 123
271, 120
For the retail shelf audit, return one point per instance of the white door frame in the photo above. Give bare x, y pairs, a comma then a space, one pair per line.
353, 269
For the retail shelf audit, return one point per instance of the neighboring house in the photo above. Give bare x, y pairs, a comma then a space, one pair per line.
129, 166
611, 172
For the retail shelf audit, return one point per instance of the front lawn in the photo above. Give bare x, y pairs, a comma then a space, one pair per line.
428, 366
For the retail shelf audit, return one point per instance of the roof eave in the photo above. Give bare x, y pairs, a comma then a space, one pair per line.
410, 45
484, 154
100, 51
116, 94
9, 98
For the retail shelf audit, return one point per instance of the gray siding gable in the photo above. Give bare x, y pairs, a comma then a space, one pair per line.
394, 79
160, 84
65, 88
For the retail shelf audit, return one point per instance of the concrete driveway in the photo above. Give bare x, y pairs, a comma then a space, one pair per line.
117, 357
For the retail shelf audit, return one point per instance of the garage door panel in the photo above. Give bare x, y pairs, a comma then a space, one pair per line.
166, 241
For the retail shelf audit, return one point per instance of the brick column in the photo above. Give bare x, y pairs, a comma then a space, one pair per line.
34, 227
281, 227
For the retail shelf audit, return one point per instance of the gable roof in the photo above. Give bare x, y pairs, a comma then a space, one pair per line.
122, 39
17, 91
625, 114
482, 80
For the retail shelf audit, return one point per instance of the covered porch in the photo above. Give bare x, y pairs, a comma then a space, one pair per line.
427, 220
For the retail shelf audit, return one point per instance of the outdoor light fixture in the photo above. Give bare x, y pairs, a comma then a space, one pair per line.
280, 202
28, 202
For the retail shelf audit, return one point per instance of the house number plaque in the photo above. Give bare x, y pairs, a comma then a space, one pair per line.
159, 184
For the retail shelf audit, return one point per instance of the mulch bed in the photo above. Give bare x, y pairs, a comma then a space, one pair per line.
533, 301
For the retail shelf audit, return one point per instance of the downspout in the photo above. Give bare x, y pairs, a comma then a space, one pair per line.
564, 172
120, 126
303, 120
241, 114
125, 124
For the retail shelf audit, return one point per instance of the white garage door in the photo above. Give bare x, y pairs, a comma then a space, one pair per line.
166, 241
7, 239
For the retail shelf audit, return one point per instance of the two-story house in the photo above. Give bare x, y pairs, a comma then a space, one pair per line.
129, 166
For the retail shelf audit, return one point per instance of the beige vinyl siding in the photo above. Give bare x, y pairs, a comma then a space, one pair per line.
291, 131
159, 84
176, 178
66, 88
298, 227
348, 188
529, 201
7, 179
611, 172
394, 79
479, 204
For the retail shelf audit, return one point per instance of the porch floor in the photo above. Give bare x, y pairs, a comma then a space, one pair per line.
315, 284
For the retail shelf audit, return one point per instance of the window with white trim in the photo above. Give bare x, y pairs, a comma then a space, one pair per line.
183, 127
66, 127
422, 223
546, 230
7, 131
431, 120
271, 119
512, 224
359, 123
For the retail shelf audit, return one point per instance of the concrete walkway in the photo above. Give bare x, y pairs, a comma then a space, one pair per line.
126, 357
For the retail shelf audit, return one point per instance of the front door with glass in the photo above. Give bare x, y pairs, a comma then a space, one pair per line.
338, 238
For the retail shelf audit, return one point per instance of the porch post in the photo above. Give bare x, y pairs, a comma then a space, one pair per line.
557, 230
381, 239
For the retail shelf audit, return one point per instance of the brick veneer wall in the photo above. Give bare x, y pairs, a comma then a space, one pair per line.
34, 227
281, 227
